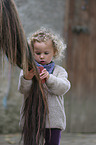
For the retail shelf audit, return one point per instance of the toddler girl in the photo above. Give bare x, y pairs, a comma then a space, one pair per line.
46, 47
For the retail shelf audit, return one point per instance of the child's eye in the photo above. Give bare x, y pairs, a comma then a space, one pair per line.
38, 53
46, 53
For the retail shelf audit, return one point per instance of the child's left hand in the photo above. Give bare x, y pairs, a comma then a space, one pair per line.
44, 74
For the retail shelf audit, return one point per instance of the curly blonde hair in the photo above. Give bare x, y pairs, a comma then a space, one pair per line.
45, 34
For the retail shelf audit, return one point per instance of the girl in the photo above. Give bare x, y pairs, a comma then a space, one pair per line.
46, 46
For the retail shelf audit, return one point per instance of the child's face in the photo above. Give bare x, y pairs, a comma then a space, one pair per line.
43, 52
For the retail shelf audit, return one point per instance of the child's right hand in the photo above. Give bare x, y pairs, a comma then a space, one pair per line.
29, 74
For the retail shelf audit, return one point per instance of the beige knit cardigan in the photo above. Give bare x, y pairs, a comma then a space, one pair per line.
55, 88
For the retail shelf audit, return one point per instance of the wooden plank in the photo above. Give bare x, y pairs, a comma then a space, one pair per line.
81, 65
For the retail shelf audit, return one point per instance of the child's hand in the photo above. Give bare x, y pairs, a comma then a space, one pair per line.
44, 74
29, 74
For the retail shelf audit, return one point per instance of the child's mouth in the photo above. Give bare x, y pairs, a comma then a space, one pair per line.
42, 62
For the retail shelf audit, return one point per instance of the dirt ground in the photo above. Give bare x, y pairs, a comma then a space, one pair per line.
66, 139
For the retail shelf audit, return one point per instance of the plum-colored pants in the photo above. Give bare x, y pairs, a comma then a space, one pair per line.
52, 136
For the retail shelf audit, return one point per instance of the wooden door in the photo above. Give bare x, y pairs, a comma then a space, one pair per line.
80, 33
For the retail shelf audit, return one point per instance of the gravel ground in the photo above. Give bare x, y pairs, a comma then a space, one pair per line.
66, 139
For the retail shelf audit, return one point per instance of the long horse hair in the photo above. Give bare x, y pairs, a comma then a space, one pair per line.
14, 45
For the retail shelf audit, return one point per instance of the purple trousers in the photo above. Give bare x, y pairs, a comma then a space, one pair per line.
52, 136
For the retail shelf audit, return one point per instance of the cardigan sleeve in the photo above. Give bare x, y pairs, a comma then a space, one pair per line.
58, 83
24, 85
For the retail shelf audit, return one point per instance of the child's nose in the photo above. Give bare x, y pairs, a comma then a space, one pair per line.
41, 56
